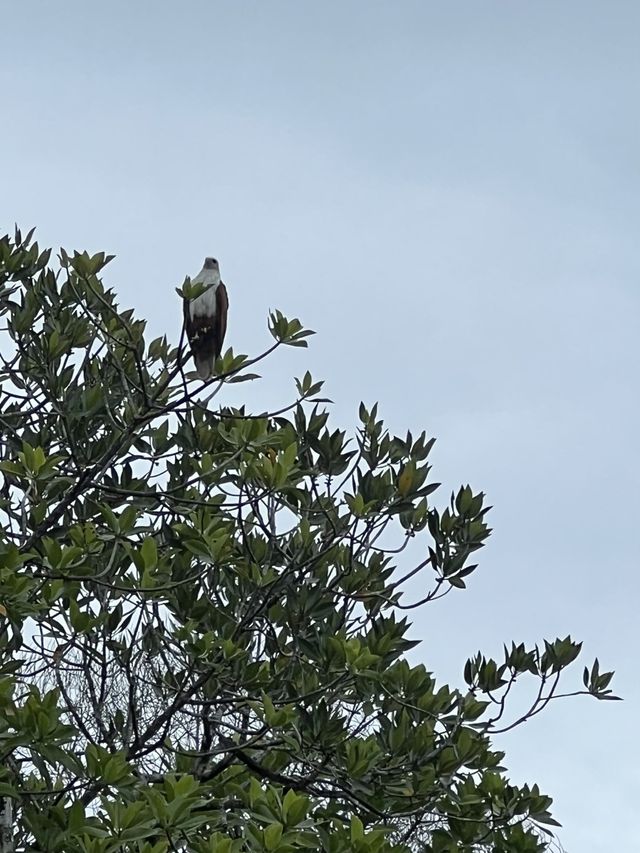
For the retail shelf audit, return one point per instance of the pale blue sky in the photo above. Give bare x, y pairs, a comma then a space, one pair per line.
448, 193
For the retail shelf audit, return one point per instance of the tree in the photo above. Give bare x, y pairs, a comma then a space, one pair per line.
203, 622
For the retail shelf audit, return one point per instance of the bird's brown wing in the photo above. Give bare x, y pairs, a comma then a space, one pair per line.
220, 320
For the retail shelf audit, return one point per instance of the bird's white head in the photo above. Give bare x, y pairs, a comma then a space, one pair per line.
210, 272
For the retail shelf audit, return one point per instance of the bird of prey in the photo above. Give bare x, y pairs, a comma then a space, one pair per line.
205, 318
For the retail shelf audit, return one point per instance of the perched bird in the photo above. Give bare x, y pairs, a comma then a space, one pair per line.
205, 318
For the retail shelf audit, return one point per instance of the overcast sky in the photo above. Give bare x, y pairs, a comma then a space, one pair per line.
448, 193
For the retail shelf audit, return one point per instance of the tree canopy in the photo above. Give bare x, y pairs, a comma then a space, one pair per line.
204, 612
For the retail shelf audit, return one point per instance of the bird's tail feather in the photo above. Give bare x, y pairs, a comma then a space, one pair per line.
205, 365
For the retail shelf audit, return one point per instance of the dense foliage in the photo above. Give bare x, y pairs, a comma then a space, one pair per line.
202, 610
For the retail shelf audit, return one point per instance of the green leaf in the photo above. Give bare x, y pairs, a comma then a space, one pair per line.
149, 553
357, 829
76, 817
272, 836
294, 808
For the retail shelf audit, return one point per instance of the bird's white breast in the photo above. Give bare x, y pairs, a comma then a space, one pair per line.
205, 304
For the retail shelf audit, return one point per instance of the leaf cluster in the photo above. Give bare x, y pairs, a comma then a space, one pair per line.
203, 611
